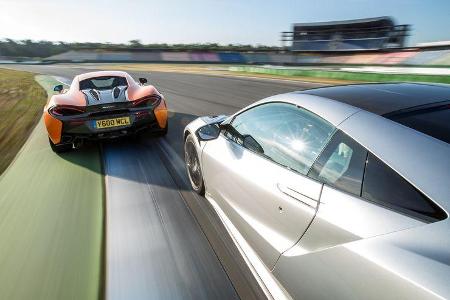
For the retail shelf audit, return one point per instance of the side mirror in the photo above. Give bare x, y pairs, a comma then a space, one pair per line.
143, 80
250, 143
208, 132
58, 88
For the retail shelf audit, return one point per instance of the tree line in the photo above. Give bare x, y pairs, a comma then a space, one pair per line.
42, 49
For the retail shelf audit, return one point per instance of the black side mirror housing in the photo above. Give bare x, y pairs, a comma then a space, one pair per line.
58, 88
208, 132
143, 80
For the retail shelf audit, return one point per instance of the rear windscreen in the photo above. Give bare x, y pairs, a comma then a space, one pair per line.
434, 122
103, 83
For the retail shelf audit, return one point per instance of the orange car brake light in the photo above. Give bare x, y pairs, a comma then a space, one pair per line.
66, 110
146, 101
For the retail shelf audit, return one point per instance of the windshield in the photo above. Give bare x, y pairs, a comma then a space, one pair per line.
434, 122
103, 83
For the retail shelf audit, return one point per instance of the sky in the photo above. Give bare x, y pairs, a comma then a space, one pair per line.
202, 21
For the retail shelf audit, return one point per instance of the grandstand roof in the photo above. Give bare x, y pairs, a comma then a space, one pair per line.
386, 20
347, 35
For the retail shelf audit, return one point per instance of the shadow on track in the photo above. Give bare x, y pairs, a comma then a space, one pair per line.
177, 123
138, 159
155, 249
131, 158
81, 157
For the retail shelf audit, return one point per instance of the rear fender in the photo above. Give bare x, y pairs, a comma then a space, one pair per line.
54, 128
161, 114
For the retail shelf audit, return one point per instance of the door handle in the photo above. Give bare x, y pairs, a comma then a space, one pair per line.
297, 195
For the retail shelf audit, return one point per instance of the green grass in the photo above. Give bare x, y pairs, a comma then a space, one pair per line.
341, 75
51, 222
21, 103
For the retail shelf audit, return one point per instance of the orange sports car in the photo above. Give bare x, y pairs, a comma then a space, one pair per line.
103, 105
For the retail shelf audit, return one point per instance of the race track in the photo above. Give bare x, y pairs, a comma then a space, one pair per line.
163, 241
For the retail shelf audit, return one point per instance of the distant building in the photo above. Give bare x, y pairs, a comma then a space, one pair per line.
349, 35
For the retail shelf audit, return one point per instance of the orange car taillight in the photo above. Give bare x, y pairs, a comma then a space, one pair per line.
146, 101
66, 110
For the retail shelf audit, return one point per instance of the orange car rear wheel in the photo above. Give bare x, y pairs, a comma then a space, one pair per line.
163, 132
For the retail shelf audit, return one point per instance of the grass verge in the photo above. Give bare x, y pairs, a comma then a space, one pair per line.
342, 75
51, 221
21, 102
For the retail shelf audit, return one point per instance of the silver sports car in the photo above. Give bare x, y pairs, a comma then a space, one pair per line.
334, 193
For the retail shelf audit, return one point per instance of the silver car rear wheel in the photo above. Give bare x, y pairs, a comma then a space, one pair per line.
193, 166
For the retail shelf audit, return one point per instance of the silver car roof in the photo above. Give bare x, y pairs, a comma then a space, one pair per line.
421, 159
385, 98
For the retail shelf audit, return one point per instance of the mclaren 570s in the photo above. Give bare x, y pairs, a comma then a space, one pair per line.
103, 105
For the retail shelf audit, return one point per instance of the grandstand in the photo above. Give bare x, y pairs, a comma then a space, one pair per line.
361, 42
350, 35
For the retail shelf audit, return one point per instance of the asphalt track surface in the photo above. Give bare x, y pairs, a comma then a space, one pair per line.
162, 240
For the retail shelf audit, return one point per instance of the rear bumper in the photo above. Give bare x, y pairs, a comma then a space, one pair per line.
71, 130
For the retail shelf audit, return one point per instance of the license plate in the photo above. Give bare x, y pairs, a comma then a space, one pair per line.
116, 122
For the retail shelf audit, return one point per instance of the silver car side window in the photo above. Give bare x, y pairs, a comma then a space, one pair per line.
338, 163
289, 135
341, 164
383, 186
348, 166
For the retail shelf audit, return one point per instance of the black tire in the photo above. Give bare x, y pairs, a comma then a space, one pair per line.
164, 131
60, 148
193, 167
